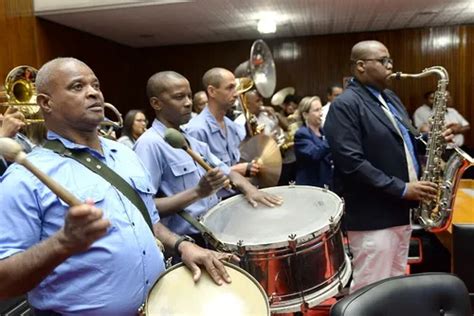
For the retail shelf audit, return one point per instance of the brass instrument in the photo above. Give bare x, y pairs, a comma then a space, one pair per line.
20, 92
107, 126
286, 139
436, 215
258, 72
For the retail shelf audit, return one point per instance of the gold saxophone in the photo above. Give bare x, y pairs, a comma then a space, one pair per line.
436, 215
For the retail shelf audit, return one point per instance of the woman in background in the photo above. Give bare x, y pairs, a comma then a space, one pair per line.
313, 158
134, 125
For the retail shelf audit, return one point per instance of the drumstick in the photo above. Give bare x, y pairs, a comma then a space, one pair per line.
12, 151
177, 140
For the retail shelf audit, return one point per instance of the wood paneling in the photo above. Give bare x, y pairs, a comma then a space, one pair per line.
309, 64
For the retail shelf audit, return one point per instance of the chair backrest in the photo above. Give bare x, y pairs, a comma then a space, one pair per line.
422, 294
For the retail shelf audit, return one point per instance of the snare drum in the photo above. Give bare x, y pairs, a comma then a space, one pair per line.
175, 293
295, 251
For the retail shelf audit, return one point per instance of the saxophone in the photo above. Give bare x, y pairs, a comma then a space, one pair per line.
436, 215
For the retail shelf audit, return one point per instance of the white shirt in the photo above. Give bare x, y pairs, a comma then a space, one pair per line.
325, 111
424, 112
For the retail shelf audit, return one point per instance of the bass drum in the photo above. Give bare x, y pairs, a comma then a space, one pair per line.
295, 251
175, 293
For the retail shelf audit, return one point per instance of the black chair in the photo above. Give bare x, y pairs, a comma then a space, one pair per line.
425, 294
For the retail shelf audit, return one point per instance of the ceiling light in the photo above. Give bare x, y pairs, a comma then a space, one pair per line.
266, 25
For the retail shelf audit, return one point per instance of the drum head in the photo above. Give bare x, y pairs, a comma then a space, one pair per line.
175, 293
305, 211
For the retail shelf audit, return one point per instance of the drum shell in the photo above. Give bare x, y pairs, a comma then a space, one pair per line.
301, 268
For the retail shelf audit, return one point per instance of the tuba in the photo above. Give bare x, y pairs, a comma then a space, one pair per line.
258, 72
436, 215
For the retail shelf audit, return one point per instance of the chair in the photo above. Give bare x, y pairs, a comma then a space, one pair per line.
425, 294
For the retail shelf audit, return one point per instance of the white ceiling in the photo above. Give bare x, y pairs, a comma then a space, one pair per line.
146, 23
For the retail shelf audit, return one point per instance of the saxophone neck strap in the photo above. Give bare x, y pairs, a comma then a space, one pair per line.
96, 166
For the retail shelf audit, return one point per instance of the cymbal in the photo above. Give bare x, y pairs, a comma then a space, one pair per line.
264, 150
280, 95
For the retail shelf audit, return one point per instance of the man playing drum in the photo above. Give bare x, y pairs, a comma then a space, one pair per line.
174, 173
99, 257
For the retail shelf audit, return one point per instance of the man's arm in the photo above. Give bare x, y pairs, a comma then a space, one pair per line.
24, 271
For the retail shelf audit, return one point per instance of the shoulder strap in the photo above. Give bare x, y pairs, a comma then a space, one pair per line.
96, 166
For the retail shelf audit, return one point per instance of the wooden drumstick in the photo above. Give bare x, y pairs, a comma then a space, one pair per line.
12, 151
177, 140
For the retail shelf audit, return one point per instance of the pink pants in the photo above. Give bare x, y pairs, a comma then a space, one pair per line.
378, 254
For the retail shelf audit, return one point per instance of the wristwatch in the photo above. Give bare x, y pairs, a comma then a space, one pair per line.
180, 240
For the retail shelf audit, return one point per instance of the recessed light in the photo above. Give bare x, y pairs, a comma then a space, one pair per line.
266, 25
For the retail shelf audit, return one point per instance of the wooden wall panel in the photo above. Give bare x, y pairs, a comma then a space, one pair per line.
17, 35
114, 64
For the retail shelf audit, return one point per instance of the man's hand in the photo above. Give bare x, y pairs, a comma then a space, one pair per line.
211, 182
13, 121
455, 127
421, 190
84, 224
256, 196
194, 256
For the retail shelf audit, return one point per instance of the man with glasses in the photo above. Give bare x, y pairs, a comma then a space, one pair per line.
376, 167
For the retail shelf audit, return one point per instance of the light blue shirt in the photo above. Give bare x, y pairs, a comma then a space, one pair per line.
403, 130
115, 274
225, 146
173, 170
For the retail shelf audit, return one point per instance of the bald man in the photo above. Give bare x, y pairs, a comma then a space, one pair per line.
214, 128
376, 167
97, 258
174, 173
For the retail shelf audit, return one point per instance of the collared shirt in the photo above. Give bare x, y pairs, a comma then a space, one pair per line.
223, 144
115, 274
424, 112
173, 170
392, 114
325, 111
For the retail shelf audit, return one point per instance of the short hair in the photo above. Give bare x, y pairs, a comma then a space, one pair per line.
305, 105
47, 72
159, 82
427, 94
292, 98
197, 94
213, 77
362, 50
128, 122
331, 88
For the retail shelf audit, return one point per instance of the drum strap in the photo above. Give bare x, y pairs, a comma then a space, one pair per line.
96, 166
205, 232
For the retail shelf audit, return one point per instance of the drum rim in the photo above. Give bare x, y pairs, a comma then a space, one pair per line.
299, 239
227, 265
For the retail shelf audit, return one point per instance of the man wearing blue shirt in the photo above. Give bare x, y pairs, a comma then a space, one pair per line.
173, 172
98, 258
212, 127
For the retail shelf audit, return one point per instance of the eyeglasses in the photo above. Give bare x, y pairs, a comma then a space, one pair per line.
384, 60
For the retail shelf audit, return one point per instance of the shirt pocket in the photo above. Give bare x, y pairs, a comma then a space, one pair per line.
185, 174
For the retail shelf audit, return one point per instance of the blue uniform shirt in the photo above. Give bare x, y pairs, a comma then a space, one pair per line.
173, 170
225, 146
115, 274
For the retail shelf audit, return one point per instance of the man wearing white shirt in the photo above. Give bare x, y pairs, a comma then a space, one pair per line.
332, 92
